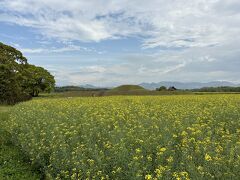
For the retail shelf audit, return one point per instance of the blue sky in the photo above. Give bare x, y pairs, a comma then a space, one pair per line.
107, 43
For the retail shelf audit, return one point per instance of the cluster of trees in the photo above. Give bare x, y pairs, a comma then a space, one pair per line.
204, 89
218, 89
164, 88
20, 80
77, 88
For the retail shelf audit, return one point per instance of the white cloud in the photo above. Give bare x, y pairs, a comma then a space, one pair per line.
167, 23
167, 66
194, 39
66, 48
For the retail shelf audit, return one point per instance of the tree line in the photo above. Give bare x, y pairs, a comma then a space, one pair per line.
204, 89
19, 80
218, 89
77, 88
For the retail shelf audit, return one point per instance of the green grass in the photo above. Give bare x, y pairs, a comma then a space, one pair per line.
13, 163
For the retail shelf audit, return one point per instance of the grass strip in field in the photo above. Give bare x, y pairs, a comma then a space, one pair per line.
14, 165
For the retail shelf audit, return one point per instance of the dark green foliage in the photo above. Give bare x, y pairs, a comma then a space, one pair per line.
162, 88
19, 81
68, 88
218, 89
12, 63
36, 80
77, 88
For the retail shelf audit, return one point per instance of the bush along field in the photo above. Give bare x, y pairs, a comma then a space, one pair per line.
164, 137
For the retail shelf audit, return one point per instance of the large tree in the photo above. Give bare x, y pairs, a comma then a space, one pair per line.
17, 77
12, 64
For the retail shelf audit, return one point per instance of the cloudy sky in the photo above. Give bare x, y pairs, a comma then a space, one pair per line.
112, 42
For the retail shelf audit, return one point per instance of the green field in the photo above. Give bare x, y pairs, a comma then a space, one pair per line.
115, 92
14, 164
125, 90
130, 137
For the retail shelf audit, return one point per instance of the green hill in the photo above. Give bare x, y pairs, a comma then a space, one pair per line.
128, 88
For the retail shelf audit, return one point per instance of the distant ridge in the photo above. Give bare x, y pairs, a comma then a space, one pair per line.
187, 85
89, 86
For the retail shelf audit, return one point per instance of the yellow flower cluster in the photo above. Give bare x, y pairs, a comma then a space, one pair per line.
121, 137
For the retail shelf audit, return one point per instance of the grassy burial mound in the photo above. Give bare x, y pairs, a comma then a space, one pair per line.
124, 137
129, 88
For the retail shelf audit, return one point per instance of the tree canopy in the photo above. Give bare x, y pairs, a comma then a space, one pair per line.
37, 79
19, 80
162, 88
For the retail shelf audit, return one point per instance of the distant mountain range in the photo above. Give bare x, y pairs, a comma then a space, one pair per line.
178, 85
187, 85
89, 86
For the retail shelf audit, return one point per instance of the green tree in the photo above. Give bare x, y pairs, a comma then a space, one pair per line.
12, 64
20, 80
162, 88
38, 79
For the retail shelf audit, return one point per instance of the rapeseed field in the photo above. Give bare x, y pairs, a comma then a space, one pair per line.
123, 137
